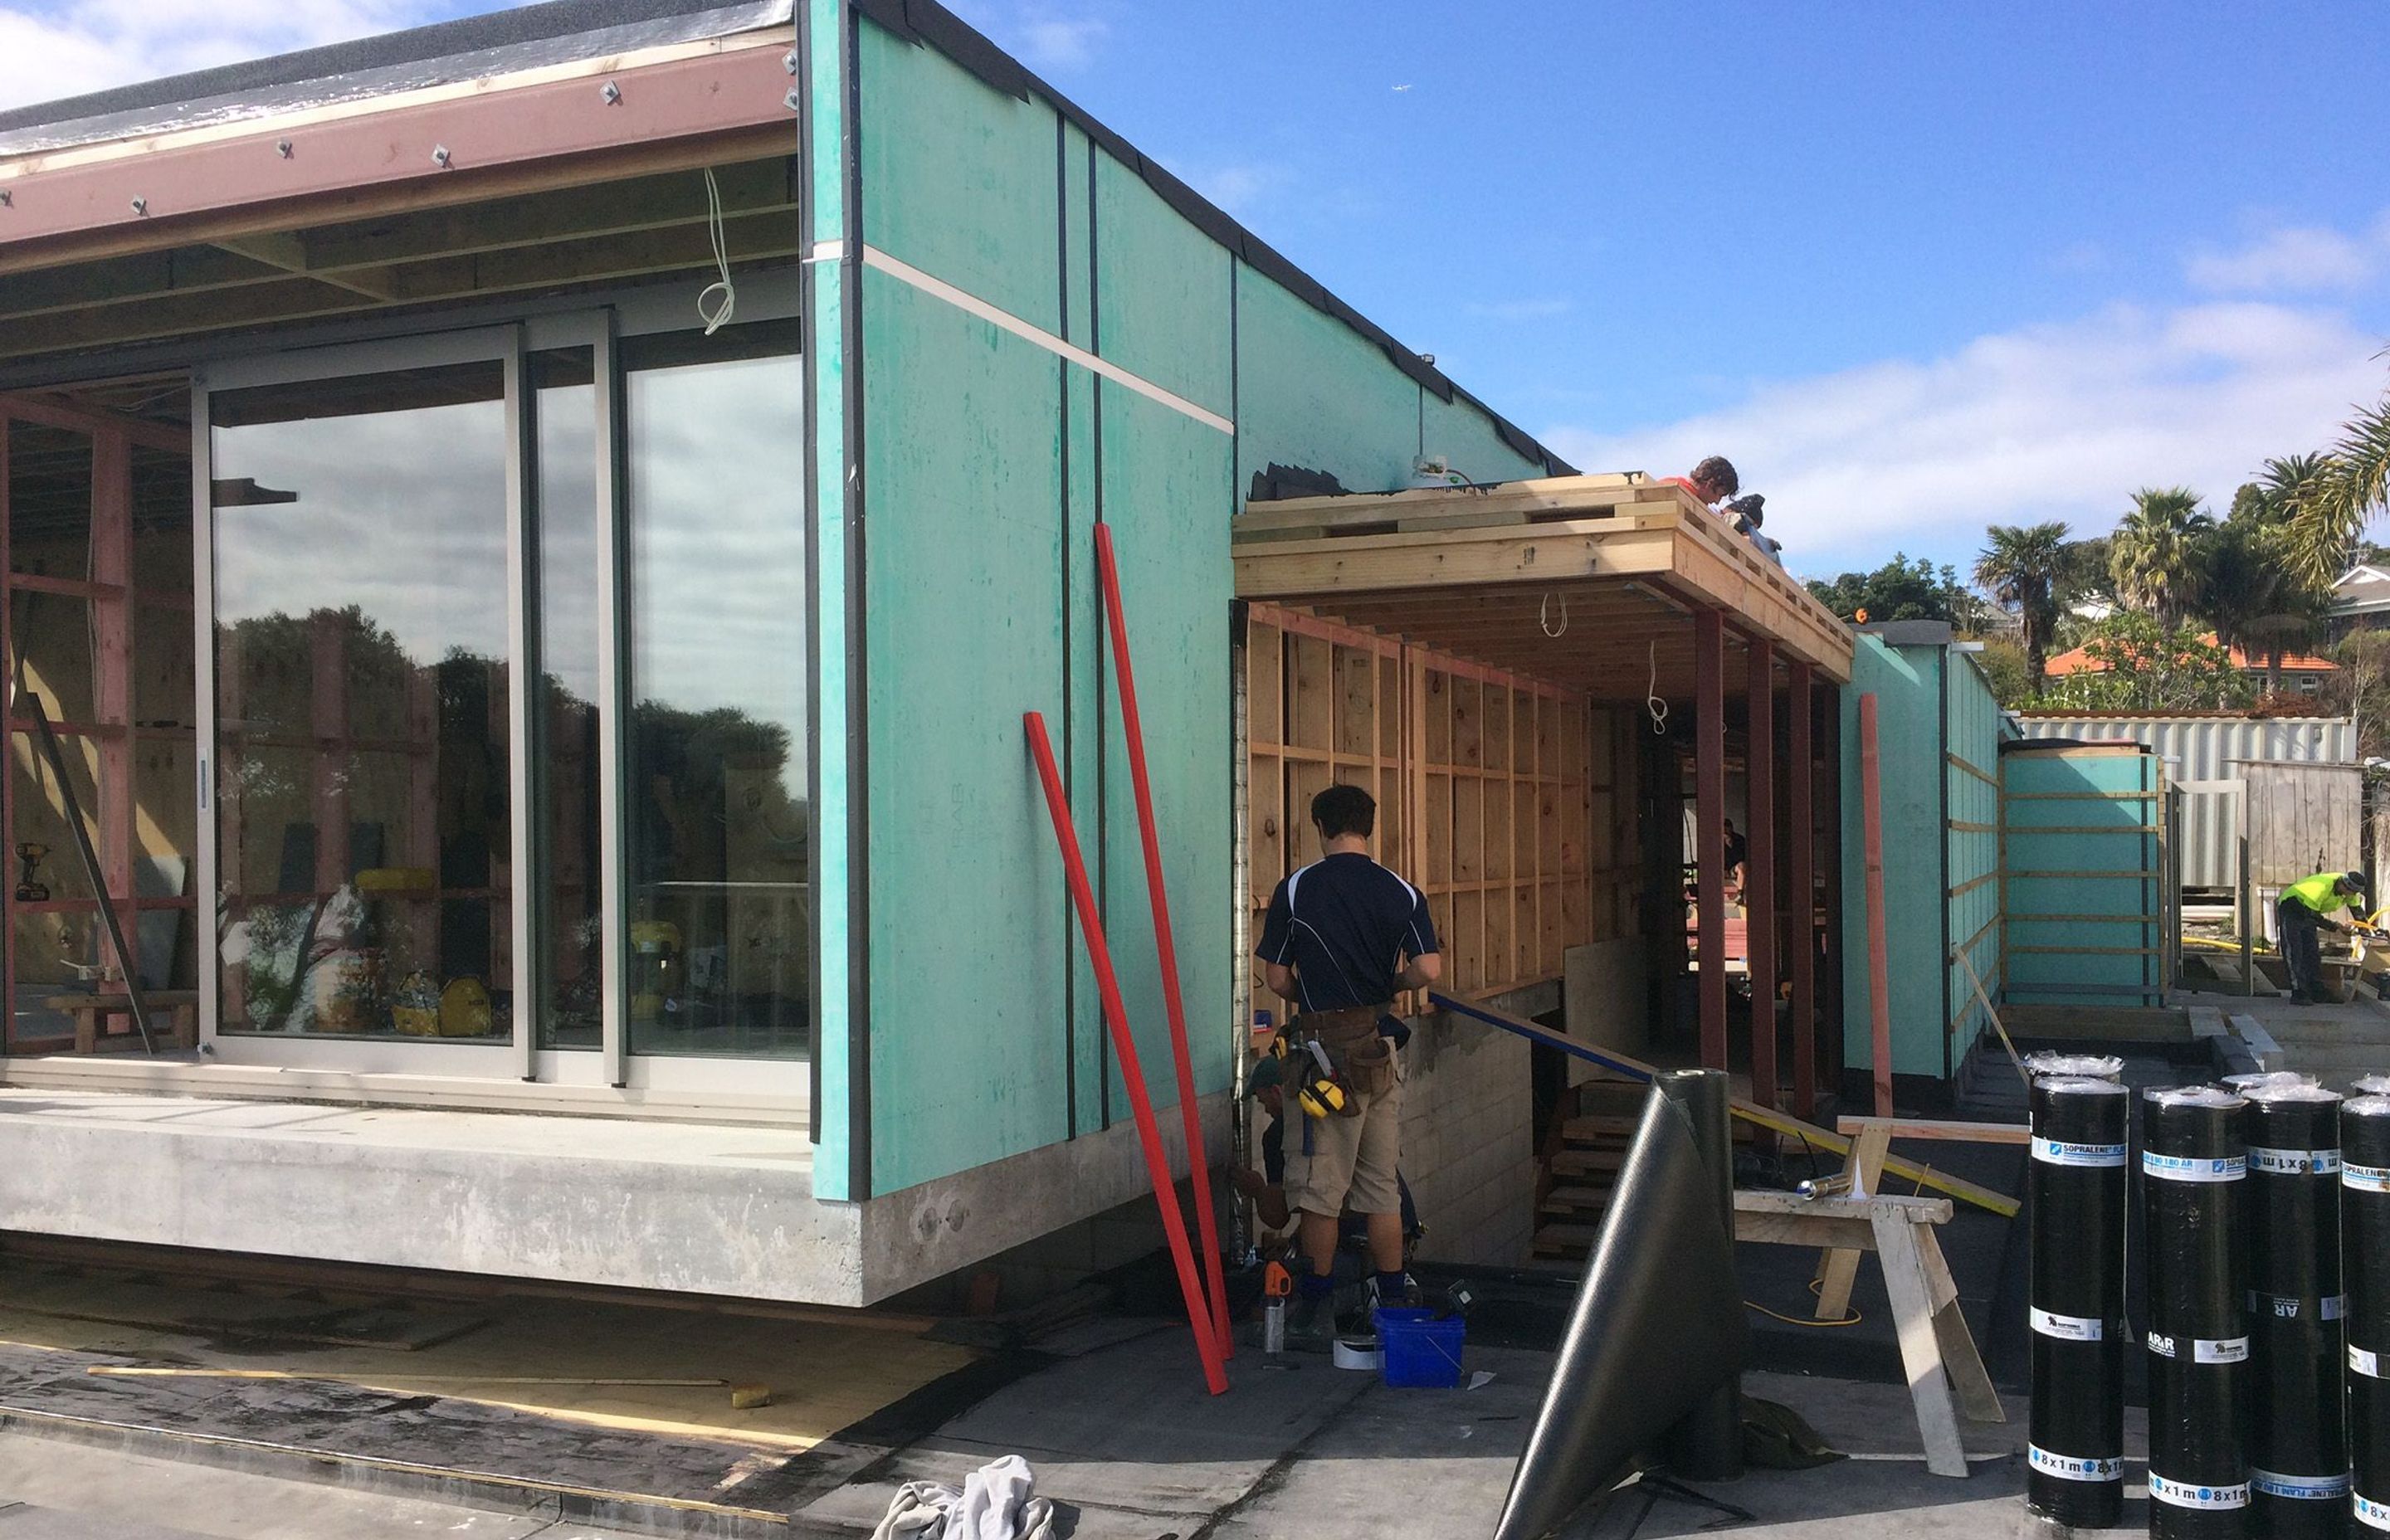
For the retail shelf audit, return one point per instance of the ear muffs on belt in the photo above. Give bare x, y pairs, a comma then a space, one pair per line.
1322, 1093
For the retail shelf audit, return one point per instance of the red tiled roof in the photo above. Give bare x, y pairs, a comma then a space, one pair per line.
2075, 661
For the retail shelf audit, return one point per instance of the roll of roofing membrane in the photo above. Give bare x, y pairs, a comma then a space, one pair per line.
1707, 1445
2365, 1253
2193, 1167
2074, 1197
2038, 1066
2298, 1447
2258, 1079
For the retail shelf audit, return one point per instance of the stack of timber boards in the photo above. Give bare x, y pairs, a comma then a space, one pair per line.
1535, 502
1581, 1167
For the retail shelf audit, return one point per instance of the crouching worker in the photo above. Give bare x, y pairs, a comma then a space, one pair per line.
1344, 936
2300, 912
1265, 1188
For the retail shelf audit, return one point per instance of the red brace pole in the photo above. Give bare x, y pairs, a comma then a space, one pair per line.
1165, 946
1149, 1132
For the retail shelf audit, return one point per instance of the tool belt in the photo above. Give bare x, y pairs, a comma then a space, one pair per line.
1361, 1059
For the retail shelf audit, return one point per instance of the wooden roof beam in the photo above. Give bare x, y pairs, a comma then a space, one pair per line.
286, 250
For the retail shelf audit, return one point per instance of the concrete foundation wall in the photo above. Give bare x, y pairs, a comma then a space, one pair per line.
1469, 1149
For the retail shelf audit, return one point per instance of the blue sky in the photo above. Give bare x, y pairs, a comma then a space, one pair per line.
1914, 267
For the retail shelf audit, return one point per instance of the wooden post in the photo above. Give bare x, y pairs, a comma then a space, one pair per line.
1759, 864
1800, 884
112, 676
1879, 969
1709, 828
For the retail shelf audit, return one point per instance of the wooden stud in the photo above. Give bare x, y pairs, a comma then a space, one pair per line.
1759, 864
1801, 880
1709, 837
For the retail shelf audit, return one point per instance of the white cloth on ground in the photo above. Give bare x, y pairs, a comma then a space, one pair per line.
998, 1502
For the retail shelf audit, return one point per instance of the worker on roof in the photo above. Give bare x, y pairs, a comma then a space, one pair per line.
2302, 911
1344, 936
1713, 480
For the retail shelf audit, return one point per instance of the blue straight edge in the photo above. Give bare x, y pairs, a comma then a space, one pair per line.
1626, 1067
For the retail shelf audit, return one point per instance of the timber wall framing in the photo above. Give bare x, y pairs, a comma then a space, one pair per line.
1501, 797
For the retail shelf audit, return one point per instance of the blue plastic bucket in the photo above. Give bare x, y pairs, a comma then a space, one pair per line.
1421, 1352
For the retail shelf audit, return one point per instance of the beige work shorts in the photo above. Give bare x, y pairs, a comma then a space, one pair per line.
1351, 1160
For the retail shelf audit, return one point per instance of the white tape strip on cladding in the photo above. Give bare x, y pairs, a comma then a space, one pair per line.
939, 288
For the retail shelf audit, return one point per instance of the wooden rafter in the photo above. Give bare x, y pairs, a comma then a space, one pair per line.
756, 237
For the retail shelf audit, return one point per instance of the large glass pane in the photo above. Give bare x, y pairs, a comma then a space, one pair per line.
363, 825
569, 707
717, 789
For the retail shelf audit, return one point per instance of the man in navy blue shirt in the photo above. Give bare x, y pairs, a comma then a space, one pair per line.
1342, 937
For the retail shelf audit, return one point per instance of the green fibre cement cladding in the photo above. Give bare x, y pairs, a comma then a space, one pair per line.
987, 458
2084, 876
1932, 706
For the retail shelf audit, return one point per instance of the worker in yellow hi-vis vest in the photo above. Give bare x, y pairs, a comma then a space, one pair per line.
2302, 910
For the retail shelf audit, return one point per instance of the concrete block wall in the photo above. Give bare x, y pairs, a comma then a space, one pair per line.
1469, 1147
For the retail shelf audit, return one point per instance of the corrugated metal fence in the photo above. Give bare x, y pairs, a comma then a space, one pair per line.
2202, 755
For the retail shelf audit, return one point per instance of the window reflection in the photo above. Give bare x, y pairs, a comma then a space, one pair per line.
716, 791
359, 529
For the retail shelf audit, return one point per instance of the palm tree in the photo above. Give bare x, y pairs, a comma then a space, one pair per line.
2025, 565
2153, 555
2350, 487
2281, 607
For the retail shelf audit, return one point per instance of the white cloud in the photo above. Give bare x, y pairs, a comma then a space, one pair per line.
1237, 188
94, 45
1062, 44
1518, 310
2054, 421
2293, 260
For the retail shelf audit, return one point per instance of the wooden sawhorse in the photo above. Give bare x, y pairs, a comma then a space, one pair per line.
1946, 1379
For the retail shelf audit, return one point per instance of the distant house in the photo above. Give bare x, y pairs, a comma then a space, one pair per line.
2301, 671
2361, 600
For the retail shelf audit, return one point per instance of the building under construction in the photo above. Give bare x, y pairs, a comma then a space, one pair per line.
528, 543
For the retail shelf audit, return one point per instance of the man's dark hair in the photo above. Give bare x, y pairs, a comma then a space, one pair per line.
1718, 471
1344, 810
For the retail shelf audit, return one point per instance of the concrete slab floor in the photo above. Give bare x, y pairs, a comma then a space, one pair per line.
1124, 1440
54, 1491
